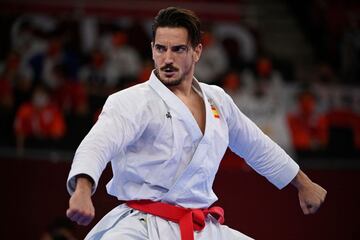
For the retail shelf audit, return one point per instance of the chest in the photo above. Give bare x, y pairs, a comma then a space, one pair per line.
197, 108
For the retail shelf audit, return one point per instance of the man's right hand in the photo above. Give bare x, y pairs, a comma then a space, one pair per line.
81, 209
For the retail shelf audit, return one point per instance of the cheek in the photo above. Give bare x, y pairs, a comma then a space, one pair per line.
156, 57
157, 60
188, 62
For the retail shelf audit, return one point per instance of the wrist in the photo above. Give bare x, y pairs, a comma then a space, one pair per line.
300, 180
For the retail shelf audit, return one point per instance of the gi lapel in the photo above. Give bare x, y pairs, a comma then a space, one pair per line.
199, 156
177, 107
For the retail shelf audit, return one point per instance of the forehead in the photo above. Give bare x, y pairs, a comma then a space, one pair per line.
171, 36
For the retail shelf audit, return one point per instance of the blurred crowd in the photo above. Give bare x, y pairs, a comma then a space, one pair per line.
56, 73
332, 26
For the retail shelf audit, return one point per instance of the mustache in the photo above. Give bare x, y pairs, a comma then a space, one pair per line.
169, 67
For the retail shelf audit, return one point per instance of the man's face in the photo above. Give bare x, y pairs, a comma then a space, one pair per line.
173, 55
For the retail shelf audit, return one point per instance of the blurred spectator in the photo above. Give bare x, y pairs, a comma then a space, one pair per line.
16, 78
46, 50
78, 121
93, 76
232, 83
52, 58
213, 62
239, 44
350, 51
145, 71
343, 126
123, 62
38, 123
27, 37
12, 77
70, 94
333, 28
309, 129
270, 77
88, 33
137, 37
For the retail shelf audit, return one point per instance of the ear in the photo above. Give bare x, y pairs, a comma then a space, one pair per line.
197, 52
152, 50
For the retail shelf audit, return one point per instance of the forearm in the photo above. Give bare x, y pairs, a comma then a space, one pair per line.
81, 209
84, 184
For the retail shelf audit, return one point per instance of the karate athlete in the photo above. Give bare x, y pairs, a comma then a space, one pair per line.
165, 139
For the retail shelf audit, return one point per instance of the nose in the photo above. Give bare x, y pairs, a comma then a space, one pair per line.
169, 56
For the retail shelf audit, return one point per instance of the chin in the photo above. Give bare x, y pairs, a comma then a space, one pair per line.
170, 82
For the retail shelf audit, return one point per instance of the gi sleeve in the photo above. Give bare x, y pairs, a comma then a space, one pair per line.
259, 151
117, 126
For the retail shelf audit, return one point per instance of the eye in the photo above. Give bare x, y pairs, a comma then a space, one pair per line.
160, 48
180, 49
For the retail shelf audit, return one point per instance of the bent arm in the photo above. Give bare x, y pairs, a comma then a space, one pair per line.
259, 151
270, 160
115, 128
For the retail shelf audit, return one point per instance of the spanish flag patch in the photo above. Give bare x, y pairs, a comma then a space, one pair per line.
215, 111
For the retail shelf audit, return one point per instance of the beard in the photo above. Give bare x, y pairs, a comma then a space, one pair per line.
171, 83
166, 81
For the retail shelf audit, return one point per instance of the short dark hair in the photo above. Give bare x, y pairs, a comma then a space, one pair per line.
178, 17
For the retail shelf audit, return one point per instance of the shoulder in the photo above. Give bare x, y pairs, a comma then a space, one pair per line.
218, 97
137, 102
211, 89
215, 93
133, 91
135, 96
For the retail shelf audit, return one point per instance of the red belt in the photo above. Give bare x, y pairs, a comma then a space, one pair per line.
188, 219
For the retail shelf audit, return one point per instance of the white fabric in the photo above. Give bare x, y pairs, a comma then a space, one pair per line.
158, 152
128, 224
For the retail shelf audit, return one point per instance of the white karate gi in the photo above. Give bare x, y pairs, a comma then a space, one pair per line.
158, 152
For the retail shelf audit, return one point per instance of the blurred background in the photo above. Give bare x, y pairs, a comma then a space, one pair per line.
292, 66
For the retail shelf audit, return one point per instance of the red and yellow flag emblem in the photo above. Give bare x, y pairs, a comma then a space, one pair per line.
215, 111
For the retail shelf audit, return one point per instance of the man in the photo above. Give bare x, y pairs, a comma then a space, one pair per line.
165, 139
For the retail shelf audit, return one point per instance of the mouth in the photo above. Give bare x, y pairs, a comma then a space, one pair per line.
169, 71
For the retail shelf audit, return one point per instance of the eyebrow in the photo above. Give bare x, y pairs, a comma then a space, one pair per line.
172, 47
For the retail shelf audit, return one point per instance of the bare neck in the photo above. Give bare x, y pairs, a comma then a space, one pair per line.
184, 89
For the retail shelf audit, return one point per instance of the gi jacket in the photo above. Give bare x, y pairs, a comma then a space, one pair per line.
158, 152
